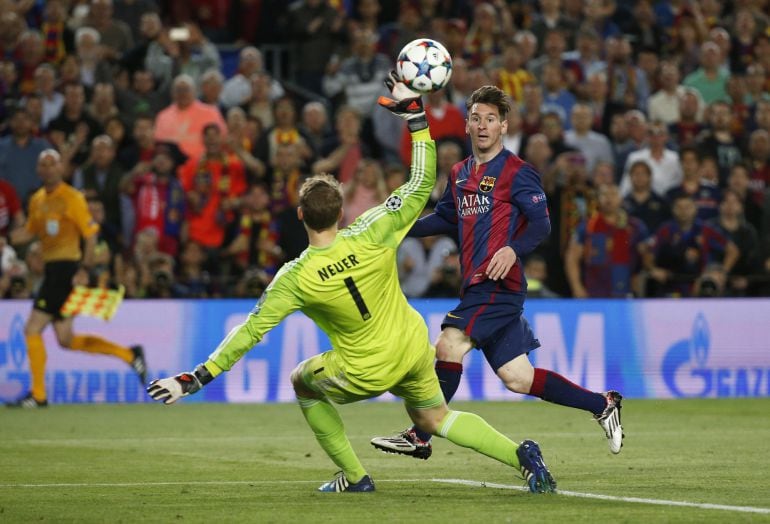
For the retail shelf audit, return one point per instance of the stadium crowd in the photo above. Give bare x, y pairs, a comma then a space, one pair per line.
649, 122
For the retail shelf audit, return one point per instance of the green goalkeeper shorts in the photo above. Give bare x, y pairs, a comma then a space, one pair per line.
418, 387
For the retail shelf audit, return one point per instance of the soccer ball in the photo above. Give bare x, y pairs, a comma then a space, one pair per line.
424, 65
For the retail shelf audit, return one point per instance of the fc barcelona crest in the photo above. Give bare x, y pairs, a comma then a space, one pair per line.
487, 184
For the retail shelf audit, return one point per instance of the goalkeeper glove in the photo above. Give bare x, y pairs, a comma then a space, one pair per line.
171, 389
407, 103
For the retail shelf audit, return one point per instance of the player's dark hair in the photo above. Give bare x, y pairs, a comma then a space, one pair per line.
490, 95
320, 199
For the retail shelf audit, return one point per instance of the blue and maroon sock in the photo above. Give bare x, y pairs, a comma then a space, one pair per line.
449, 374
555, 388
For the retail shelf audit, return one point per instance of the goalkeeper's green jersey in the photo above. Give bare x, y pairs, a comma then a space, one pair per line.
351, 289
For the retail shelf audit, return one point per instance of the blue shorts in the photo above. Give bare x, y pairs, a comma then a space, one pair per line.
492, 317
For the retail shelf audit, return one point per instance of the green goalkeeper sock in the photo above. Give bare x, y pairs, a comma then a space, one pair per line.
329, 431
471, 431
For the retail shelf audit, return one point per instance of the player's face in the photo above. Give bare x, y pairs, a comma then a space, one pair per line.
485, 127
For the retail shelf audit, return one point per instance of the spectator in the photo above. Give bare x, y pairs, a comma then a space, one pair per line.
744, 31
130, 12
184, 120
141, 148
102, 106
642, 202
101, 178
739, 183
732, 224
510, 76
45, 87
554, 45
538, 153
594, 146
193, 280
597, 14
116, 36
666, 169
91, 58
357, 80
597, 99
342, 155
645, 32
192, 53
684, 247
158, 200
284, 178
514, 139
292, 236
445, 120
628, 85
756, 77
551, 17
490, 28
556, 98
411, 261
315, 126
213, 184
285, 131
664, 103
584, 60
553, 129
605, 253
688, 126
255, 239
154, 51
240, 142
72, 131
531, 115
237, 90
536, 272
30, 55
703, 191
366, 190
211, 83
710, 80
143, 97
571, 200
719, 140
315, 30
11, 212
260, 104
18, 155
57, 37
759, 164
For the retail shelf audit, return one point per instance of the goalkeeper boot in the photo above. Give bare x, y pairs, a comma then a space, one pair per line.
405, 443
533, 468
609, 420
340, 483
139, 364
27, 401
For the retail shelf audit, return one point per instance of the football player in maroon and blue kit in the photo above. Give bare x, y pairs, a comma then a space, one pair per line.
495, 204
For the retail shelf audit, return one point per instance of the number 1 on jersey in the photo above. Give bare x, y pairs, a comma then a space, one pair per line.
357, 298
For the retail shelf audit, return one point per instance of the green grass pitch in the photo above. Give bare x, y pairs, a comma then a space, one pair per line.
260, 463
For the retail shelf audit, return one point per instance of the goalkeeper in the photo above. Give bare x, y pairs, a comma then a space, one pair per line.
347, 282
59, 217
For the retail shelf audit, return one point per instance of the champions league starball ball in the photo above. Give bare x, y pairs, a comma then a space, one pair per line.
424, 65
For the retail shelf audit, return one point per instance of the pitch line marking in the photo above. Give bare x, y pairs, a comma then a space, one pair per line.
657, 502
461, 482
